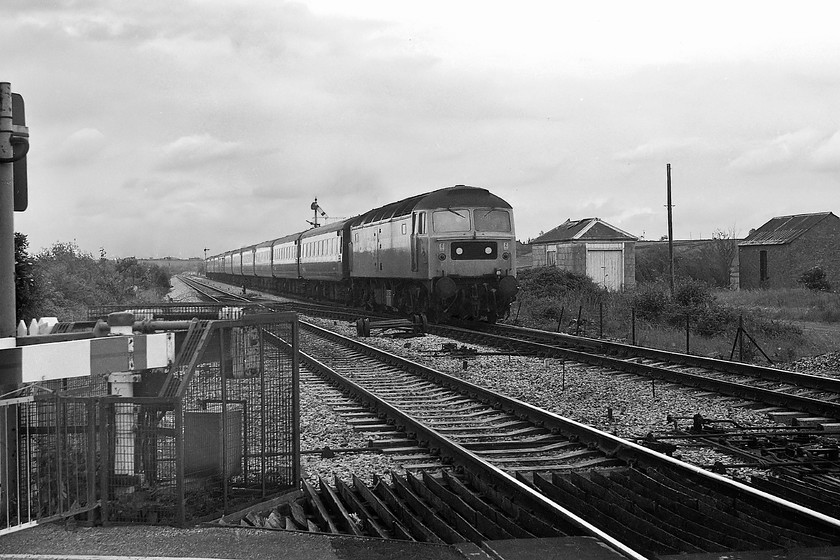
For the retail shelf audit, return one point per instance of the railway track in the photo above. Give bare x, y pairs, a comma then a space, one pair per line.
808, 401
816, 395
804, 472
644, 504
212, 292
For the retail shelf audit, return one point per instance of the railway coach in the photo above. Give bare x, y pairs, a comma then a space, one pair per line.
446, 253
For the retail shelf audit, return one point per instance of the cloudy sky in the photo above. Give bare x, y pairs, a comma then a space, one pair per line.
163, 127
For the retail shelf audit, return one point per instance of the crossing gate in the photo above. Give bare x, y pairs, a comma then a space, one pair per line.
214, 432
50, 448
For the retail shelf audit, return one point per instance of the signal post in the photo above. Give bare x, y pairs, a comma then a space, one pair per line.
14, 145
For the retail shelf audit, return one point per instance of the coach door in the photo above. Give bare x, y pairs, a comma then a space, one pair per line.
418, 231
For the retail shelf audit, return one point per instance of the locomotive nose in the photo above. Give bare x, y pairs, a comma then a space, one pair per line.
508, 286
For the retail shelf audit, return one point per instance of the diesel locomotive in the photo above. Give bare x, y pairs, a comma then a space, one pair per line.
448, 253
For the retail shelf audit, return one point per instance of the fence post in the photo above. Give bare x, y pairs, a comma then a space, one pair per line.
60, 455
560, 320
633, 326
741, 338
263, 419
92, 406
179, 462
577, 325
296, 401
601, 314
687, 325
224, 334
104, 458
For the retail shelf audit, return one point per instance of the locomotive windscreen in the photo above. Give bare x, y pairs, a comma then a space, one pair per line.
473, 250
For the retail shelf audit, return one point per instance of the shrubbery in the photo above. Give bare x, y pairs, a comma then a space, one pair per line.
553, 282
815, 280
66, 281
548, 292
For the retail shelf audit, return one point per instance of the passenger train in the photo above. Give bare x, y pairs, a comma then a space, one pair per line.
448, 253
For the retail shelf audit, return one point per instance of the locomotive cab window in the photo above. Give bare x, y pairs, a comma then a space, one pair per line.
451, 220
491, 220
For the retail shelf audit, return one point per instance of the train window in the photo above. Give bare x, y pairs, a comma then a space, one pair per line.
451, 220
491, 220
421, 223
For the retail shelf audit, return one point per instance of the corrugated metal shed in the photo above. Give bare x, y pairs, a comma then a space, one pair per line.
783, 229
587, 228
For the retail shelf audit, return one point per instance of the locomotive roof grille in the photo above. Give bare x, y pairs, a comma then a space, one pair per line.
459, 195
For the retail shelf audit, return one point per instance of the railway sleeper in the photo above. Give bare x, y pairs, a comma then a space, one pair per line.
576, 501
685, 508
775, 527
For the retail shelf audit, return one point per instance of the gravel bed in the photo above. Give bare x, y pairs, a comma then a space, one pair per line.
825, 364
179, 291
321, 426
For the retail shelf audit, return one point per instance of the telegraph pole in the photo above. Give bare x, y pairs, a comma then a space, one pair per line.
670, 234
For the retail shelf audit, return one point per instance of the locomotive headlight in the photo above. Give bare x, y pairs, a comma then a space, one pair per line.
506, 255
442, 256
459, 251
488, 250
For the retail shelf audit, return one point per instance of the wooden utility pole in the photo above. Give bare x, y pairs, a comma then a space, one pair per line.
670, 234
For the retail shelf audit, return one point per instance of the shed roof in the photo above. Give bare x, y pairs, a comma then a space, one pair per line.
592, 229
783, 229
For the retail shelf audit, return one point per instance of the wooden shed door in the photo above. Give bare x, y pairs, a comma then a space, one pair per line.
606, 267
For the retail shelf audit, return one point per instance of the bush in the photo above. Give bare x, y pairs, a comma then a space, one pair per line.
815, 280
692, 294
549, 281
650, 303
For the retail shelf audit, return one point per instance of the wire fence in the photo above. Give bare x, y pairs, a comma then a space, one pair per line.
216, 431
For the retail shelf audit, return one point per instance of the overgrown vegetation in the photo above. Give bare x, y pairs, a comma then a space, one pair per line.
705, 261
63, 281
815, 280
552, 299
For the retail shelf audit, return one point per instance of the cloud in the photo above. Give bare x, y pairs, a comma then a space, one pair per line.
661, 149
826, 156
804, 150
81, 147
196, 150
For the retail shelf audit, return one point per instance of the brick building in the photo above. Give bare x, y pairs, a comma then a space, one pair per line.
592, 247
779, 252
